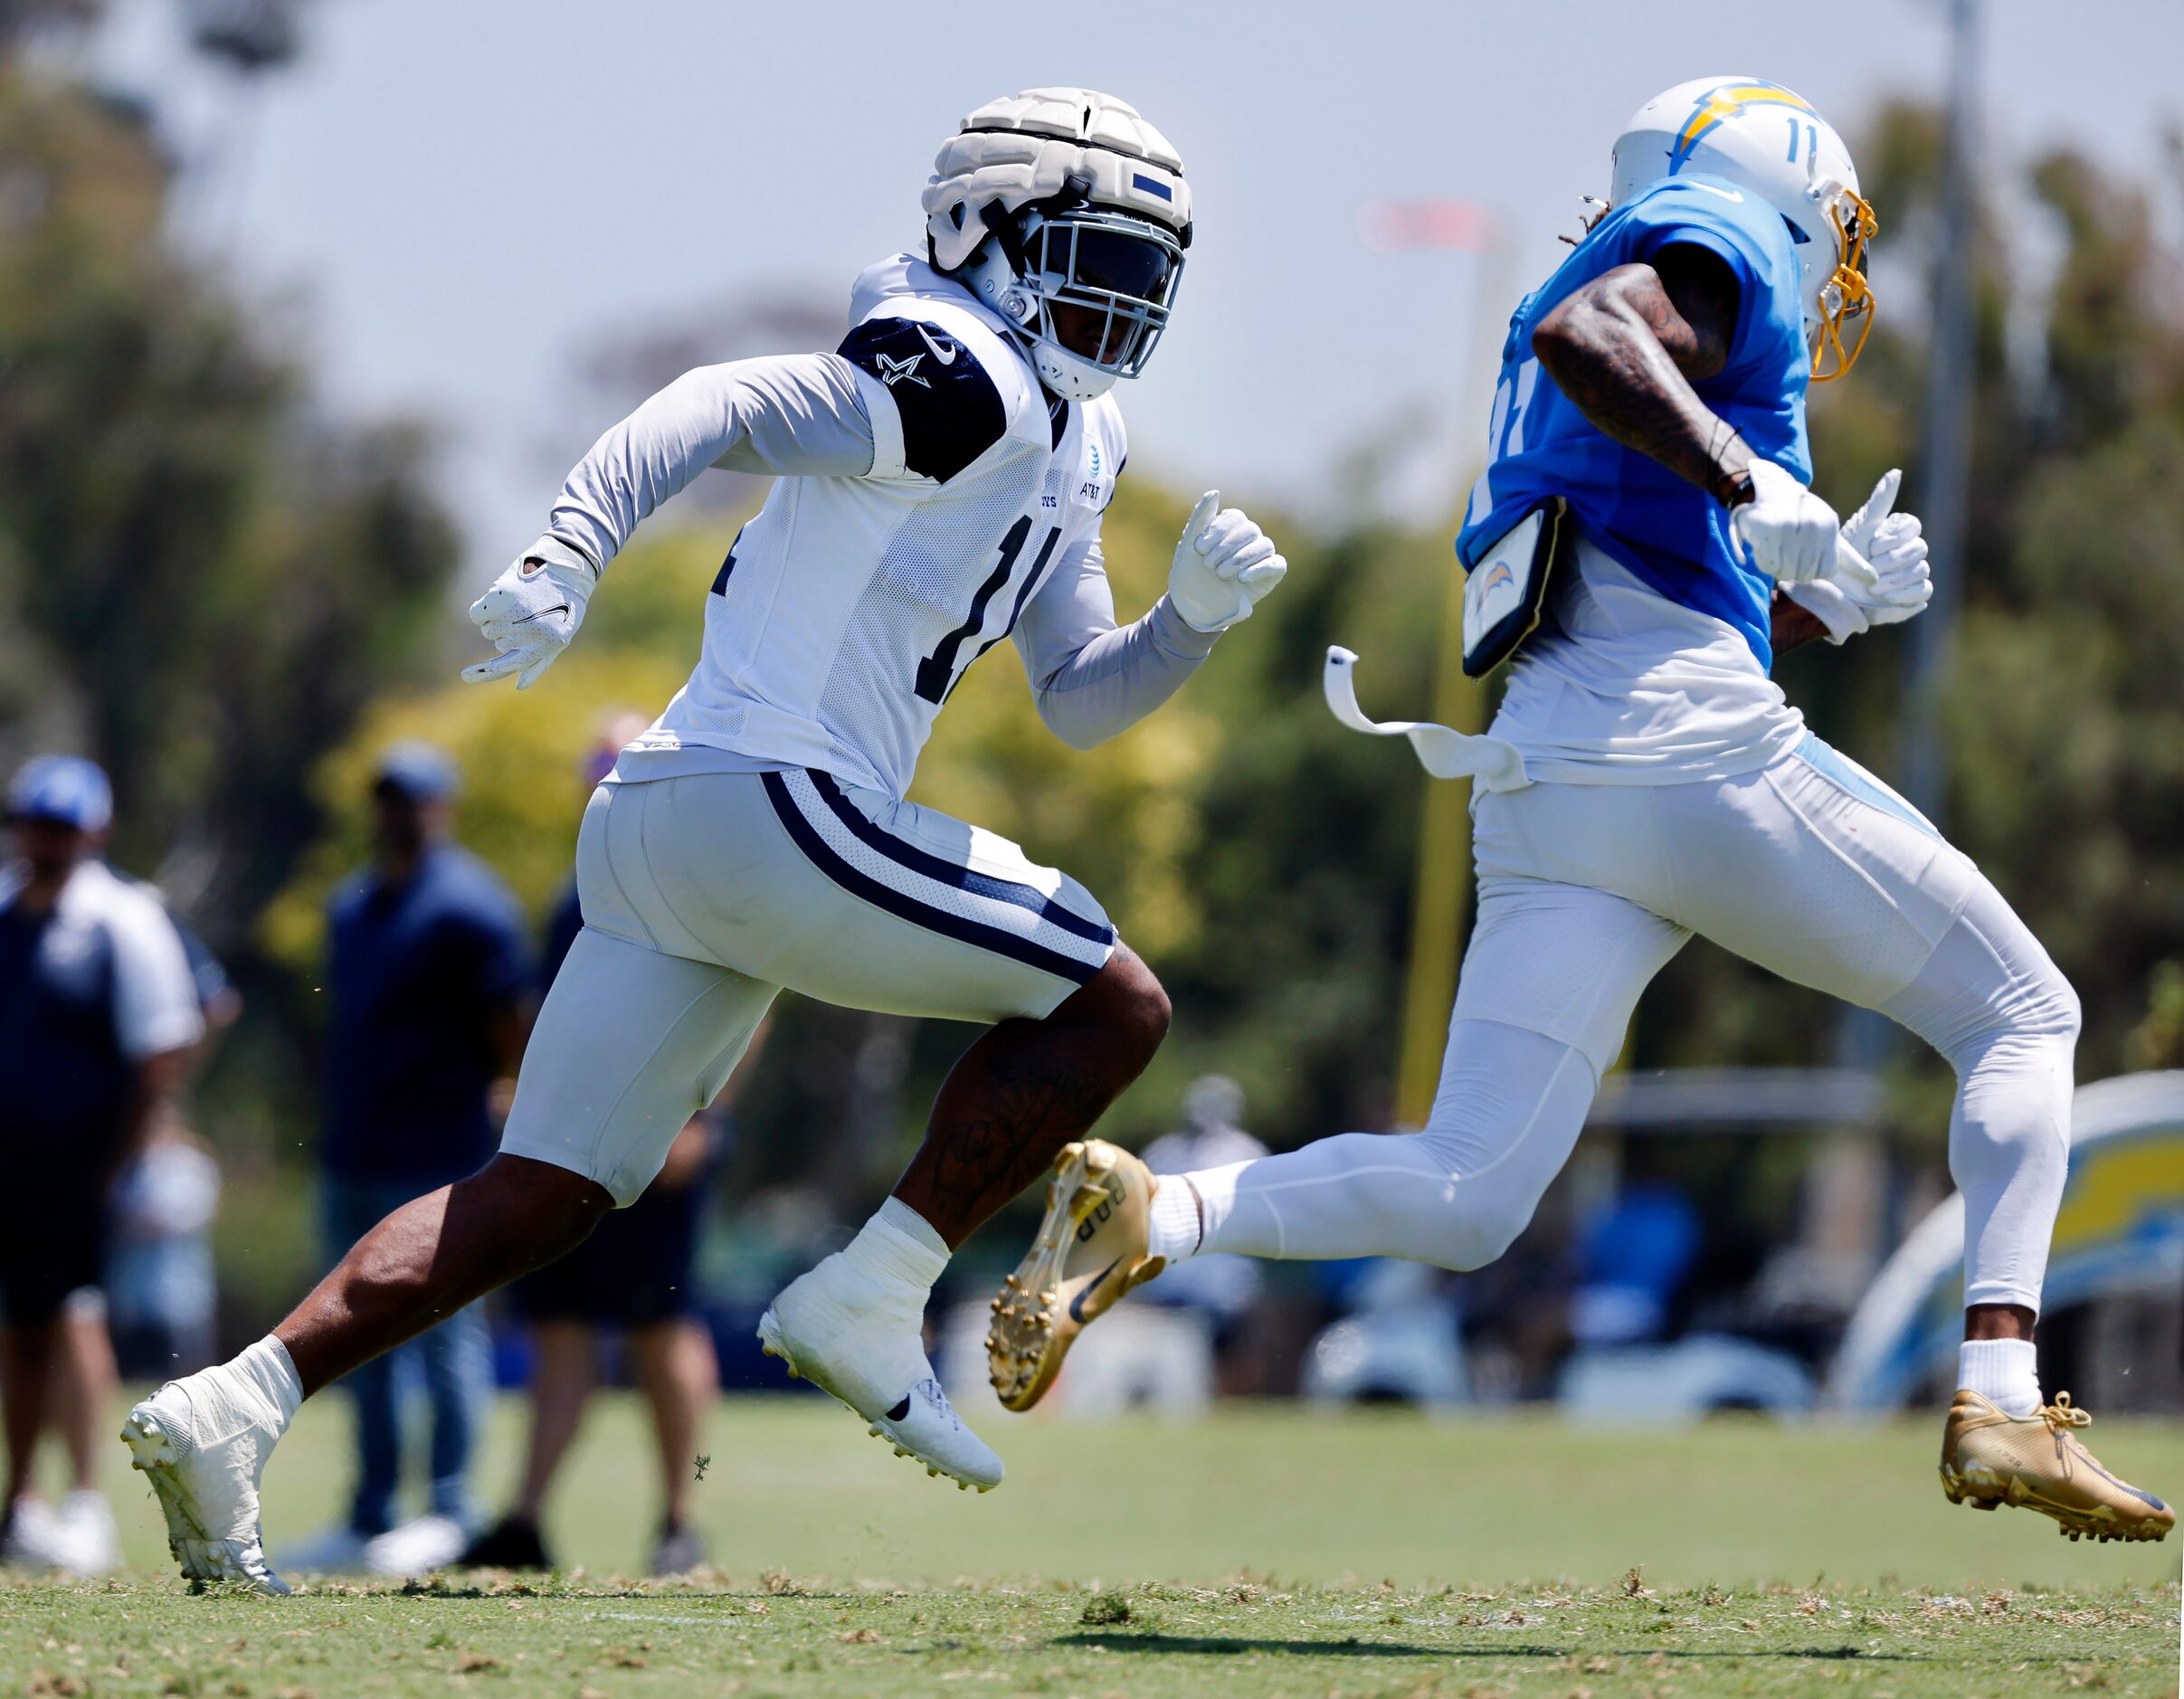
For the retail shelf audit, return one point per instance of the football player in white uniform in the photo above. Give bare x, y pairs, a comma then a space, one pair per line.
941, 479
1645, 780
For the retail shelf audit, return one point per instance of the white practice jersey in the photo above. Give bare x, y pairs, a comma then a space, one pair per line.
940, 501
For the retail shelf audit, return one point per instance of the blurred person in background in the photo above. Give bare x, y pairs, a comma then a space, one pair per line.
428, 974
1634, 1255
1222, 1288
634, 1273
96, 1016
155, 1312
160, 1292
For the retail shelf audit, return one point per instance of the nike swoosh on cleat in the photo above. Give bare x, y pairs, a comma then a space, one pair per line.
1077, 1304
901, 1409
940, 356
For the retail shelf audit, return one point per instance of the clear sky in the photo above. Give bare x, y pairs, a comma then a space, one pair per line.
463, 197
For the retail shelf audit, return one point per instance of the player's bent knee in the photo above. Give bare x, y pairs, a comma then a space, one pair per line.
1482, 1230
540, 1210
1126, 1000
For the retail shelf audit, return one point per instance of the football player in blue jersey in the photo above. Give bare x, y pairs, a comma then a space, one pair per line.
1644, 529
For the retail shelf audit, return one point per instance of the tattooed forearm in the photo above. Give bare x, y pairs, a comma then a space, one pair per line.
1627, 347
1790, 626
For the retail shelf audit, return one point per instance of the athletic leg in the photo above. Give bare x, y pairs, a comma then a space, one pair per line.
458, 1360
84, 1395
863, 900
29, 1351
630, 1044
561, 1386
675, 1369
1551, 976
1025, 1089
1815, 869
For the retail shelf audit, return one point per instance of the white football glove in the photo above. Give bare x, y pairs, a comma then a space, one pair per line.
1223, 565
531, 610
1785, 530
1890, 545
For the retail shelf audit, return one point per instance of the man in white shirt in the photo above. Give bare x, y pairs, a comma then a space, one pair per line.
97, 1012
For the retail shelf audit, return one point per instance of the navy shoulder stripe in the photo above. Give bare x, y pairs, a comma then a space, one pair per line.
951, 411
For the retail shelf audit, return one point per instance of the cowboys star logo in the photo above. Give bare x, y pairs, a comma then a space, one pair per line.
894, 371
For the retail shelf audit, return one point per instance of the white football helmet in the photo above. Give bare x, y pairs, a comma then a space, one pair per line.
1761, 136
1066, 213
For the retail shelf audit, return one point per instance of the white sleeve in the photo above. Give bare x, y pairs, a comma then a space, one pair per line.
799, 414
1091, 679
155, 998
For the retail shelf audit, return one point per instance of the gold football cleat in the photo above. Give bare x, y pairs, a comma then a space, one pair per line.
1989, 1457
1090, 1251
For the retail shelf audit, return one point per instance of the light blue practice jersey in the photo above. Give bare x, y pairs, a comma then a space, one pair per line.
1673, 536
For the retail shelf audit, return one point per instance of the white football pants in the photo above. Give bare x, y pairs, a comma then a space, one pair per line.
1812, 869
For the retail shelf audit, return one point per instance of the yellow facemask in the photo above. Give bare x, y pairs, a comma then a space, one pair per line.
1846, 299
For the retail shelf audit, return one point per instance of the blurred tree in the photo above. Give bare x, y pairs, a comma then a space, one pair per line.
203, 579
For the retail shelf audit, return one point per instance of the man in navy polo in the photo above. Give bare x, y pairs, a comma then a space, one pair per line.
428, 977
97, 1012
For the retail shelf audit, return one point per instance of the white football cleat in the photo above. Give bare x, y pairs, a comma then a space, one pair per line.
416, 1547
203, 1443
85, 1528
30, 1535
852, 1339
336, 1549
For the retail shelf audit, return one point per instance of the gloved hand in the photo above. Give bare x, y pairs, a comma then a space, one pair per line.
531, 610
1785, 530
1223, 565
1891, 546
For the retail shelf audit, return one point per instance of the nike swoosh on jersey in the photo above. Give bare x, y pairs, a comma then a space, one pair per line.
945, 357
1077, 1304
1727, 194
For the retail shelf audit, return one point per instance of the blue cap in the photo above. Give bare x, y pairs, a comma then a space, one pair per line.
422, 772
63, 788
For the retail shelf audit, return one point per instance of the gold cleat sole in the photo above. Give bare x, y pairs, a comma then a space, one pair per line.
1032, 1332
1984, 1489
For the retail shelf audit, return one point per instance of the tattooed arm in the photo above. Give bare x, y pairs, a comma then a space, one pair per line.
1626, 348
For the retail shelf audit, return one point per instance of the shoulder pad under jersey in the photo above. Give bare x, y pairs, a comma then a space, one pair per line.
952, 413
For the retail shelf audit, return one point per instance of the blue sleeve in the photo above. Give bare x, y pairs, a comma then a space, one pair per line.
952, 413
1747, 235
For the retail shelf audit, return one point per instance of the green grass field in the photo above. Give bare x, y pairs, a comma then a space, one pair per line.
1265, 1551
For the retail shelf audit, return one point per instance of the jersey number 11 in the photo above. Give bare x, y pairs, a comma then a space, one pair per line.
937, 672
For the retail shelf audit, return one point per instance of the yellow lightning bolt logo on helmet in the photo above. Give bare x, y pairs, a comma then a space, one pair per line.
1719, 104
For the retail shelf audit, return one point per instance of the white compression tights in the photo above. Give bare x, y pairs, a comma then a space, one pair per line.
1512, 1102
1509, 1108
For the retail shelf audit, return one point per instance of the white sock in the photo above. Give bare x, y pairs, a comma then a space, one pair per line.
899, 1249
1216, 1189
2003, 1371
1173, 1230
267, 1366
